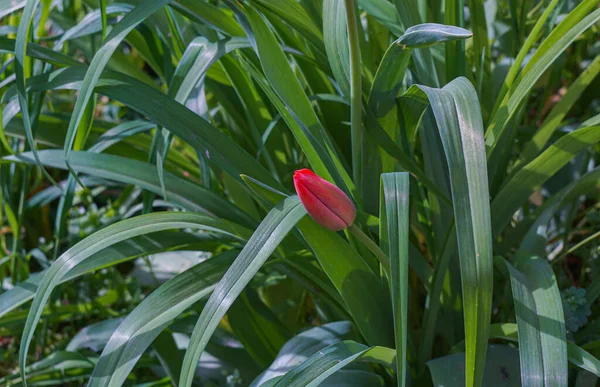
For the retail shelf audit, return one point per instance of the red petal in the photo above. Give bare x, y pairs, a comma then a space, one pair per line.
325, 202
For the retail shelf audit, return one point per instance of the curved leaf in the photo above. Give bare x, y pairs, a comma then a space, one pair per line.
120, 252
165, 112
428, 34
182, 192
276, 225
139, 329
533, 175
100, 240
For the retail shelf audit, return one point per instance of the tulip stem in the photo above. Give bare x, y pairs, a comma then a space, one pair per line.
372, 246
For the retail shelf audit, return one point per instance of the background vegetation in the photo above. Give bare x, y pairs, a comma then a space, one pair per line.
149, 231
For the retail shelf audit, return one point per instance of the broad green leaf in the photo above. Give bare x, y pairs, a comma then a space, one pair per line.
394, 233
278, 223
542, 333
428, 34
460, 126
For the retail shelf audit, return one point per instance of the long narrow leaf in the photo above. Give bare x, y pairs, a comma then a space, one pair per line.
263, 242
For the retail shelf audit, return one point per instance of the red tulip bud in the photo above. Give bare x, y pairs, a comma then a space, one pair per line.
325, 203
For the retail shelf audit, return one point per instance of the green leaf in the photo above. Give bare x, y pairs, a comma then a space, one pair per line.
327, 361
460, 127
300, 347
206, 13
182, 192
371, 311
317, 154
9, 6
428, 34
139, 329
22, 70
542, 333
165, 112
534, 70
533, 36
385, 13
94, 336
296, 15
501, 368
120, 252
99, 62
335, 36
394, 232
257, 328
100, 240
559, 112
283, 80
278, 223
512, 195
39, 52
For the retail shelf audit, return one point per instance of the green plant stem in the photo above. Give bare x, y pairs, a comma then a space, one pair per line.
372, 246
577, 246
355, 92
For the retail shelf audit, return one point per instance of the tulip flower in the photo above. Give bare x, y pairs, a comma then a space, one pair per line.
328, 205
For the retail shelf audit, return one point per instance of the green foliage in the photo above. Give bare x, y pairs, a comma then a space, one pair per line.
576, 308
147, 150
